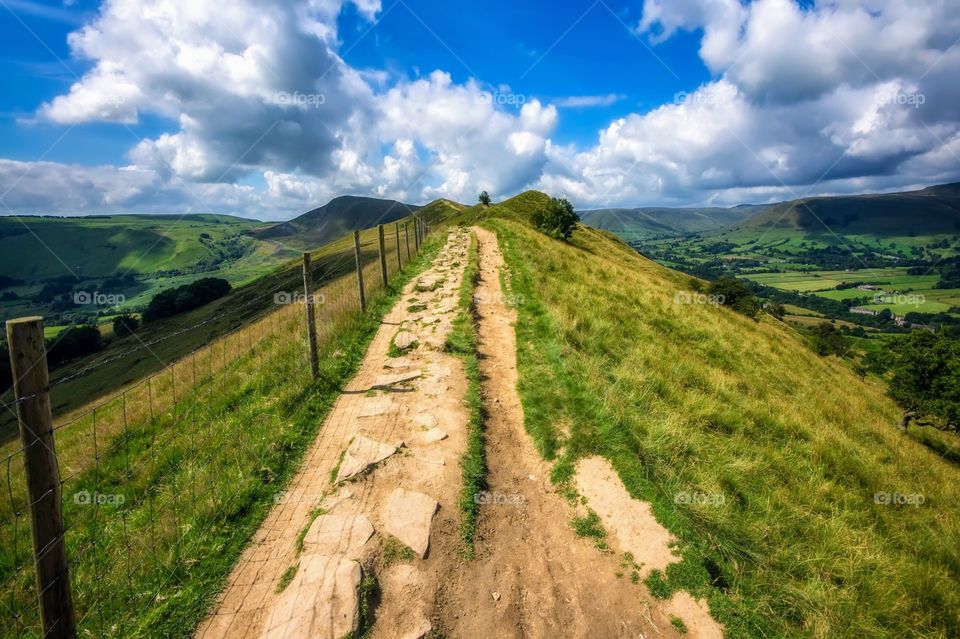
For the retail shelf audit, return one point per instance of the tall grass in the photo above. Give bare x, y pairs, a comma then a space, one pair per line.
689, 400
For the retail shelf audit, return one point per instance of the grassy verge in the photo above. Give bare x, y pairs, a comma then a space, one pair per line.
462, 342
194, 483
762, 458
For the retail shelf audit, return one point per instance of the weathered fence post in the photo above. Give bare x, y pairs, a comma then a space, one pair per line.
31, 388
406, 234
416, 234
383, 255
396, 226
311, 316
356, 252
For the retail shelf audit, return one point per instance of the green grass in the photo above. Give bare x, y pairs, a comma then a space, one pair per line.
395, 551
591, 527
197, 479
462, 342
683, 398
678, 624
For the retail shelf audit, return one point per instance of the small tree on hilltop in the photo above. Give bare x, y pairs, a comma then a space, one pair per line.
484, 198
125, 324
557, 219
729, 291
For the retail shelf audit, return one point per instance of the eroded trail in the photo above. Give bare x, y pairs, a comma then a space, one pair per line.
532, 576
376, 496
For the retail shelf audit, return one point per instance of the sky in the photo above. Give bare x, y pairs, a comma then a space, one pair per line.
268, 108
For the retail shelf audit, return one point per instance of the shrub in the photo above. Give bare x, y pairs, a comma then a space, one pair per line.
557, 219
484, 198
185, 298
733, 293
827, 340
125, 324
76, 341
926, 379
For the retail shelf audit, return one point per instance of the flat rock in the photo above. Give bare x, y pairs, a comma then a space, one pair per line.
433, 435
420, 630
429, 319
363, 452
404, 340
374, 406
408, 517
322, 601
338, 535
398, 362
434, 389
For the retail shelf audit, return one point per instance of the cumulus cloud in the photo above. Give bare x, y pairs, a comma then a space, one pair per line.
832, 96
843, 96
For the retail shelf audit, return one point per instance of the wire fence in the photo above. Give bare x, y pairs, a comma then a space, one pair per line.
161, 483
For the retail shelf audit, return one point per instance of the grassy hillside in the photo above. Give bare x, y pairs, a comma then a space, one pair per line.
696, 399
644, 223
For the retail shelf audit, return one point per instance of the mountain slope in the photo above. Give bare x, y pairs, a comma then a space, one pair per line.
337, 217
931, 211
648, 222
791, 448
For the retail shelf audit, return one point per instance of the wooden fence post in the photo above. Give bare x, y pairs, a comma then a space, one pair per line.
383, 255
416, 234
31, 387
406, 234
311, 316
356, 252
397, 229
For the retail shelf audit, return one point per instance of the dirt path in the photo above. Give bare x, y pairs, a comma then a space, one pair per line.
532, 576
399, 425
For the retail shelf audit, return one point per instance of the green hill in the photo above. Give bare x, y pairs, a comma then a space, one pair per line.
644, 223
692, 398
338, 217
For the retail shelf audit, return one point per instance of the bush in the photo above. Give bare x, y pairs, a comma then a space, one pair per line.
731, 292
484, 198
926, 379
827, 340
76, 341
185, 298
557, 219
125, 324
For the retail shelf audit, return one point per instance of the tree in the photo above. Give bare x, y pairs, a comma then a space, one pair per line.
74, 342
125, 324
729, 291
557, 219
185, 298
775, 309
484, 198
828, 340
926, 380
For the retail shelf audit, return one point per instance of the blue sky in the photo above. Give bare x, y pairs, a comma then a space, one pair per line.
155, 106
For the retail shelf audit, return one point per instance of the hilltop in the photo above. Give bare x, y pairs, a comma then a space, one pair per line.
644, 223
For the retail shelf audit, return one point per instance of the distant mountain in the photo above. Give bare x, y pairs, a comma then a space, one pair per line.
650, 222
931, 211
339, 216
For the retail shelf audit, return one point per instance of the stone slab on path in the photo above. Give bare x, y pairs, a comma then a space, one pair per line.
322, 601
376, 406
408, 517
363, 453
386, 381
404, 340
432, 436
338, 535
